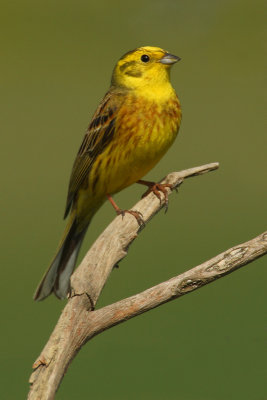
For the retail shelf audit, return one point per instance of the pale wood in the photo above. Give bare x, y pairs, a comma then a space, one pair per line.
112, 244
77, 323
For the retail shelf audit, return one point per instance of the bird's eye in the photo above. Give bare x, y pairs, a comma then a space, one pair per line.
145, 58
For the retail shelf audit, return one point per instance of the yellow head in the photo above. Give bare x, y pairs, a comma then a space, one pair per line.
143, 67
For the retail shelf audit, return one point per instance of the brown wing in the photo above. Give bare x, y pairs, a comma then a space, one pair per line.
99, 134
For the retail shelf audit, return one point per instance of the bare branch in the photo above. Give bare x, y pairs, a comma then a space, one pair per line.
112, 245
90, 324
193, 279
77, 324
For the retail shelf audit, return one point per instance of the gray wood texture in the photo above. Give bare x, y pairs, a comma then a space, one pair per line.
79, 322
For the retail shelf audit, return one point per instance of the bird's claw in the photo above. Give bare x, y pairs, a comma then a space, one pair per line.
156, 188
136, 214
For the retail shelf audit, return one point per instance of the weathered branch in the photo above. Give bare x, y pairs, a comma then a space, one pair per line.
112, 245
193, 279
77, 324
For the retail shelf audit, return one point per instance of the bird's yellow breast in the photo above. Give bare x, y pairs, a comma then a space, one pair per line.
144, 131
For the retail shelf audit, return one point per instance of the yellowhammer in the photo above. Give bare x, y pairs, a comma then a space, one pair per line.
132, 128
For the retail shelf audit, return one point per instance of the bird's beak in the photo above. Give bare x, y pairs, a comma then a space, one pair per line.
169, 59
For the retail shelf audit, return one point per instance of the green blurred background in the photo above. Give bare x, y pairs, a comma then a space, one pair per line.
57, 59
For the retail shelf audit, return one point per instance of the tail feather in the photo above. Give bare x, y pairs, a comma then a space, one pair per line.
57, 277
67, 263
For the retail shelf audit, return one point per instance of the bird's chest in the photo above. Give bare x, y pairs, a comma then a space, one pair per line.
144, 134
149, 130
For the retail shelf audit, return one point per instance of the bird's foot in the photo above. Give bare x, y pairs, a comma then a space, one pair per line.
156, 188
136, 214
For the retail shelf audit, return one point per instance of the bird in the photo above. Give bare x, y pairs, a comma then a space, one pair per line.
134, 125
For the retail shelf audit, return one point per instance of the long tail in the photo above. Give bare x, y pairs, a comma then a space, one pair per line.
57, 277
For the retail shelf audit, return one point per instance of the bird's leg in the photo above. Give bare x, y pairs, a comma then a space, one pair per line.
156, 188
137, 214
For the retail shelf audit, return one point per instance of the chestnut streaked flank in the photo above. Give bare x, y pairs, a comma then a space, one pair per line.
133, 127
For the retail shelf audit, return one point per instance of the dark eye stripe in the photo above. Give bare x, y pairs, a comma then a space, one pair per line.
126, 65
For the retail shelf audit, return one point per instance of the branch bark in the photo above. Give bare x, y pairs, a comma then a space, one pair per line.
78, 324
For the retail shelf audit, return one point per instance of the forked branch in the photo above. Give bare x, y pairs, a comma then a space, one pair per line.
78, 324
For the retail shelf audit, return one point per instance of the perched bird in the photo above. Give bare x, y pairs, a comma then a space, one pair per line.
132, 128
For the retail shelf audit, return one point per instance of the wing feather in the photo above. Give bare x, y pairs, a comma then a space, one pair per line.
99, 134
